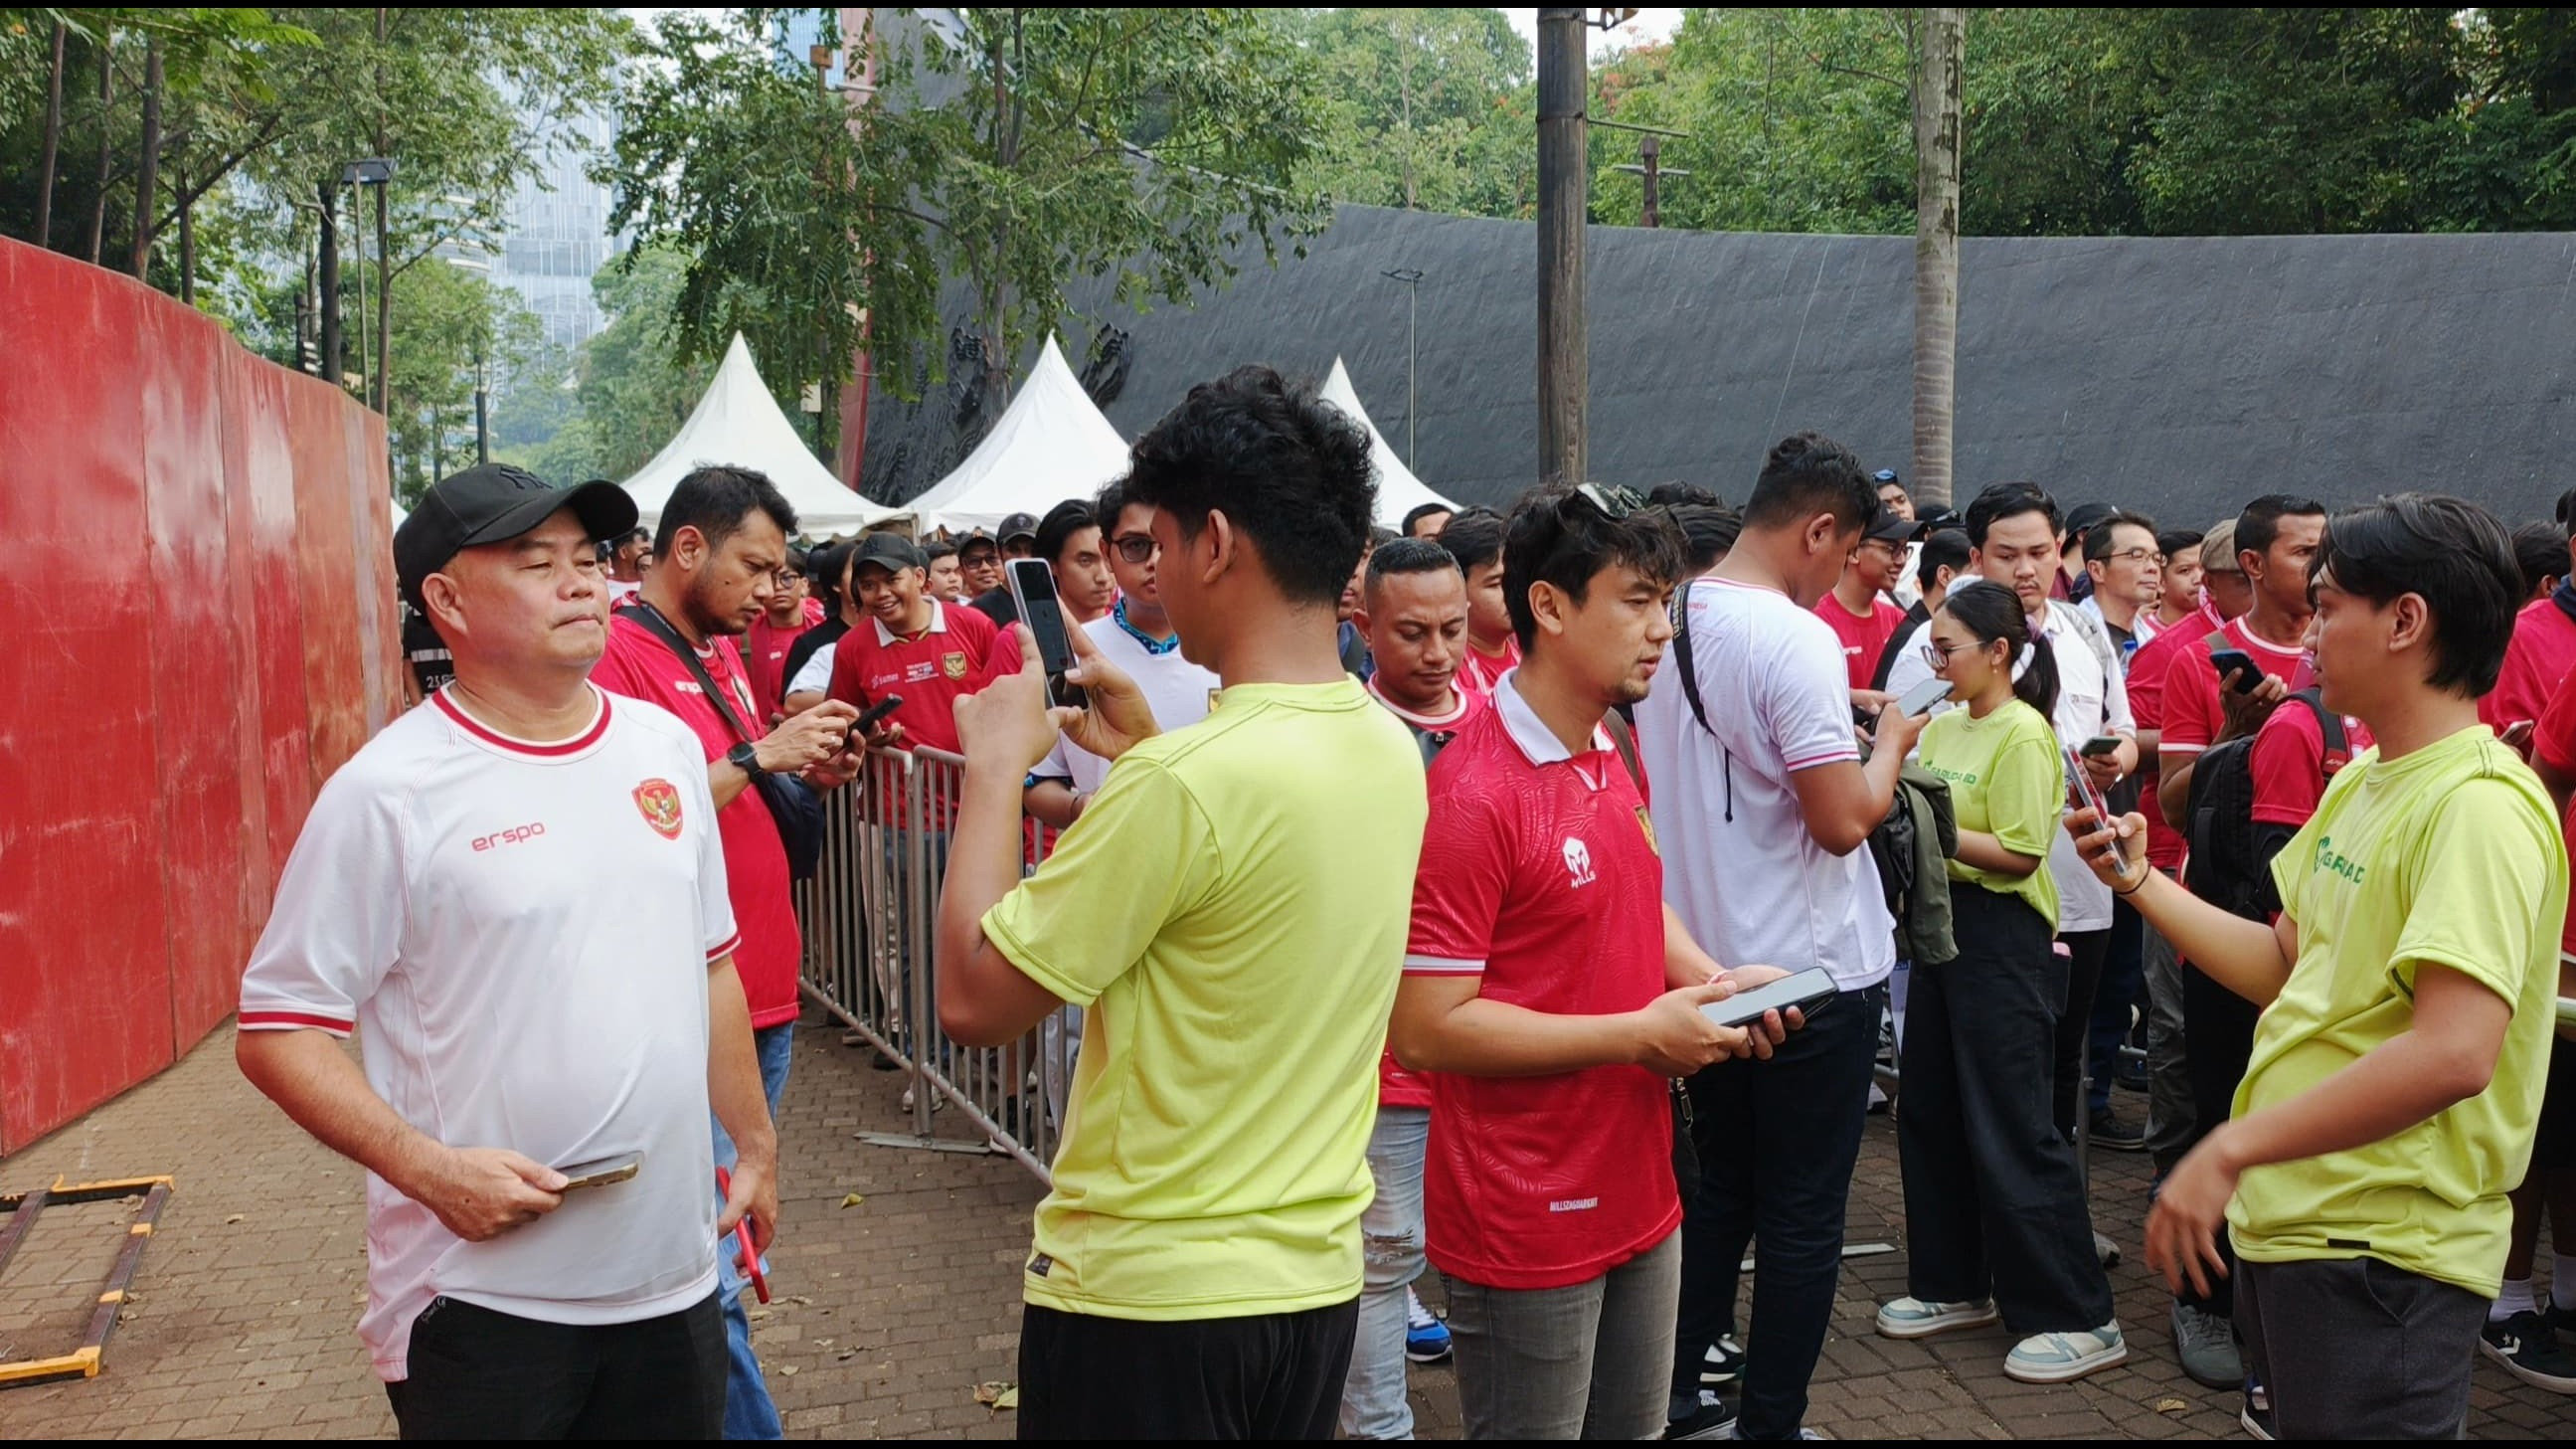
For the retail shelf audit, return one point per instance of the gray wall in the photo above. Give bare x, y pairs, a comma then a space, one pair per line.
2178, 376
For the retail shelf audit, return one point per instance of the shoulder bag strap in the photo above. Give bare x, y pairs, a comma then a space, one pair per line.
660, 628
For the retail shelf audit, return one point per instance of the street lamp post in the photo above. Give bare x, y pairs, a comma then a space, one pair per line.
373, 171
1411, 277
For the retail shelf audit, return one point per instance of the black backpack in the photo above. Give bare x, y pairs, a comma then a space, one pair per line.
2227, 867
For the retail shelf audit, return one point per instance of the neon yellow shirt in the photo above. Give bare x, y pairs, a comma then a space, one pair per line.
2005, 779
1232, 909
2451, 856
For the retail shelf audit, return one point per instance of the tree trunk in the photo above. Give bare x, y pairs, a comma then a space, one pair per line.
148, 168
327, 248
106, 158
188, 253
384, 373
1563, 81
1936, 252
53, 143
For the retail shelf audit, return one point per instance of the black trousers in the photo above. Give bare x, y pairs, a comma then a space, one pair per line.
1269, 1376
1779, 1139
1994, 1205
2074, 1028
2219, 1025
2356, 1348
481, 1374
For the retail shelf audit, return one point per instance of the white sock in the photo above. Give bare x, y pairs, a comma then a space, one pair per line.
2513, 1297
2562, 1280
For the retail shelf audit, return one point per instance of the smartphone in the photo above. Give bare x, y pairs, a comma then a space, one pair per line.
1032, 586
868, 718
1809, 991
1923, 696
2080, 795
2237, 671
600, 1172
2101, 745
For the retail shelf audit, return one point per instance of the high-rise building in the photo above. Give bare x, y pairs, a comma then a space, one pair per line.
557, 234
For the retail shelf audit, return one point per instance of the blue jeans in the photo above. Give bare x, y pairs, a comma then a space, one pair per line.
748, 1413
1374, 1405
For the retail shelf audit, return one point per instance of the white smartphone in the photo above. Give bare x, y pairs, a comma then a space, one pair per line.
600, 1172
1923, 696
1809, 991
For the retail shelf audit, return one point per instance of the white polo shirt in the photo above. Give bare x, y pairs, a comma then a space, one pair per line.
1739, 866
522, 932
1179, 691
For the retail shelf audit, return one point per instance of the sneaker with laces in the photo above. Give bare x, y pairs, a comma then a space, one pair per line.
1706, 1417
2114, 1133
1724, 1363
2056, 1358
2206, 1344
1914, 1318
2529, 1351
1426, 1338
2256, 1416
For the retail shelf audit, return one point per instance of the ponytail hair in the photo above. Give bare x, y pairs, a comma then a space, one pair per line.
1991, 612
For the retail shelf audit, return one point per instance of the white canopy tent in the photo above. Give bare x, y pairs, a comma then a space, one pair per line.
1398, 491
738, 424
1051, 444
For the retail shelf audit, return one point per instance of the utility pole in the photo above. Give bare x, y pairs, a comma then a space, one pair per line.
1411, 277
1649, 150
1563, 81
482, 410
327, 264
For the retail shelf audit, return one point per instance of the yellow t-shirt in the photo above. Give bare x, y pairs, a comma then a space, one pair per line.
2453, 856
1231, 908
2006, 779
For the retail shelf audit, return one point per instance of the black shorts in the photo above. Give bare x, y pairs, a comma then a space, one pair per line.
481, 1374
2553, 1147
1269, 1376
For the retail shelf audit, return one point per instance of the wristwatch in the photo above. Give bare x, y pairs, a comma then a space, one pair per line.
746, 758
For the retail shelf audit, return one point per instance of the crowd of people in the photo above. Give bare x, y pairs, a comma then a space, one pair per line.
1401, 883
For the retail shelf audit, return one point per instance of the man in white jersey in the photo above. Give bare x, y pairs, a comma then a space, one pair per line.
518, 892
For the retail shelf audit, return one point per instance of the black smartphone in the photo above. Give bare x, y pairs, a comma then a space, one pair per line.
2101, 745
867, 720
1810, 991
2237, 671
1032, 586
1923, 696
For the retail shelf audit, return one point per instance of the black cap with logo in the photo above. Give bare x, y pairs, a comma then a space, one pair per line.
495, 503
1018, 525
889, 551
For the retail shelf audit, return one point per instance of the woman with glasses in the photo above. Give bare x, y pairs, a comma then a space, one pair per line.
1995, 1216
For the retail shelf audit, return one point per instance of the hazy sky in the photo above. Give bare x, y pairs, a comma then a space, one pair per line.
1649, 25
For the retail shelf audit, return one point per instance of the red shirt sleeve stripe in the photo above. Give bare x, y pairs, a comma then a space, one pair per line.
291, 1020
731, 944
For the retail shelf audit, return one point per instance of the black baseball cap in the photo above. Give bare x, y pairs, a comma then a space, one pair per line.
2083, 516
1895, 528
494, 503
972, 537
889, 551
1018, 525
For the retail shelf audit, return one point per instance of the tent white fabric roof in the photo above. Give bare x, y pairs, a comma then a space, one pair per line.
738, 423
1398, 491
1051, 444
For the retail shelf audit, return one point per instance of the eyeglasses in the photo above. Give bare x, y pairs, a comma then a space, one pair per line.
1938, 655
2131, 555
1613, 501
1136, 548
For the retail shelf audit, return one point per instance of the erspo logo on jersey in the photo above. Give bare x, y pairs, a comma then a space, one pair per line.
660, 803
511, 836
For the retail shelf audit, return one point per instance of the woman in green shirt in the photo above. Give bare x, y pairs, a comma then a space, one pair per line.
1996, 1223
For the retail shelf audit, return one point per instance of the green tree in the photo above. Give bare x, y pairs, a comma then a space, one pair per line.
1425, 109
630, 390
457, 326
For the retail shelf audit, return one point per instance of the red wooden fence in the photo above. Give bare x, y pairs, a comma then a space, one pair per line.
196, 583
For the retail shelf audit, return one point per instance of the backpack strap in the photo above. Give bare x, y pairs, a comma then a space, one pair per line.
1624, 740
2338, 747
1689, 665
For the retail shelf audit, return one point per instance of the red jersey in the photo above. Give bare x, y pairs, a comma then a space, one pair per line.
1863, 639
2541, 654
1479, 672
2288, 763
765, 655
2553, 742
2165, 846
1540, 880
2193, 715
957, 655
640, 666
1397, 1084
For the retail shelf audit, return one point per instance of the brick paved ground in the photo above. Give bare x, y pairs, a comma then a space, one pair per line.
891, 1311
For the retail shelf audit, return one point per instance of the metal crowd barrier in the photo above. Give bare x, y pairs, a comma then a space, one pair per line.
870, 914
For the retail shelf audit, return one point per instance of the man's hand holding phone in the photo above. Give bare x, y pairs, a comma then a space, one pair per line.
479, 1193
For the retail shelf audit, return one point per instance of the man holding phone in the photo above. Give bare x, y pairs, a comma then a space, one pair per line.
925, 649
2276, 539
445, 895
1552, 996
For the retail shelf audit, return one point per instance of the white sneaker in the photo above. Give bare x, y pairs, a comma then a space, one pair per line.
2056, 1358
1914, 1318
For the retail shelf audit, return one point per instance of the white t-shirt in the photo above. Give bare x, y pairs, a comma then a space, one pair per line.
522, 933
815, 675
1178, 690
621, 593
1739, 866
